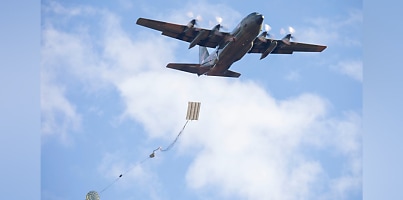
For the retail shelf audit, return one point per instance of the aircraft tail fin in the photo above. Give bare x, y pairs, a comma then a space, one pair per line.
203, 54
191, 68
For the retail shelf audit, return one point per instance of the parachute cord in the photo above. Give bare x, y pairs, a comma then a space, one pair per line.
151, 156
120, 176
176, 139
110, 184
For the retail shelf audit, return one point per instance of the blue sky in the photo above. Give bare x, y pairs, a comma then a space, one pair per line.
20, 125
289, 128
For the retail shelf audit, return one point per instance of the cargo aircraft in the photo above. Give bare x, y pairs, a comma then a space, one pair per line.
229, 47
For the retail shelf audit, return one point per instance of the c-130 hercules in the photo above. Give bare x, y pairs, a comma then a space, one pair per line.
229, 47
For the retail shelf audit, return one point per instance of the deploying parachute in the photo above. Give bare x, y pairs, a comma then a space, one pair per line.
192, 114
92, 195
193, 111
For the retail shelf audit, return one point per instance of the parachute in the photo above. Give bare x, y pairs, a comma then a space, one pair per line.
92, 195
192, 114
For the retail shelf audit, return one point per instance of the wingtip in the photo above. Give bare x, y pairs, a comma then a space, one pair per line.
138, 20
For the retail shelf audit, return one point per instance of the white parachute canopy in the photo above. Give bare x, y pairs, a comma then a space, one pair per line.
92, 195
193, 111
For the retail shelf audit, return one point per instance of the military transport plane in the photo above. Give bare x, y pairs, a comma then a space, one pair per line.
229, 47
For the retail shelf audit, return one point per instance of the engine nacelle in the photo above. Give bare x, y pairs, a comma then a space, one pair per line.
197, 38
269, 49
191, 24
216, 30
262, 36
287, 39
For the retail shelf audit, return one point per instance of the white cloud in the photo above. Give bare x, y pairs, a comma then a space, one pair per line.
58, 114
293, 76
246, 144
125, 175
59, 53
352, 68
341, 30
208, 14
112, 166
261, 157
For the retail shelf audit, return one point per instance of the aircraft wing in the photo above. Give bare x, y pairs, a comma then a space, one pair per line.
207, 38
283, 48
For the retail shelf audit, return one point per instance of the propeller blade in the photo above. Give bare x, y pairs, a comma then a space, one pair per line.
289, 36
190, 14
282, 31
267, 28
219, 20
217, 25
197, 18
262, 37
291, 30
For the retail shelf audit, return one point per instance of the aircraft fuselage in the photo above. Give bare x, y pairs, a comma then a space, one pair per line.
229, 47
240, 43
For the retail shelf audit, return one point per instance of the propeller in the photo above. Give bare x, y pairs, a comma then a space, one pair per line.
289, 36
218, 26
194, 21
291, 30
267, 27
263, 36
219, 21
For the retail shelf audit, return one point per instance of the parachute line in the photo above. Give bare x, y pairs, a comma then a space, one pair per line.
120, 176
192, 114
176, 139
151, 156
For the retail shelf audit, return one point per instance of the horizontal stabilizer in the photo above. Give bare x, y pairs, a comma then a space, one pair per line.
200, 70
227, 73
191, 68
230, 73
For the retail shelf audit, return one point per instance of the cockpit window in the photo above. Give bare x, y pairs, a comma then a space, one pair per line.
252, 14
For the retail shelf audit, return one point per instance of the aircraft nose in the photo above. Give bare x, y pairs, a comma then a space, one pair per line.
259, 19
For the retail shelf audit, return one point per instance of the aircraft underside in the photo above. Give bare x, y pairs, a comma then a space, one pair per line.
229, 47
